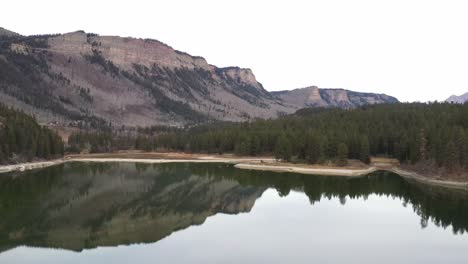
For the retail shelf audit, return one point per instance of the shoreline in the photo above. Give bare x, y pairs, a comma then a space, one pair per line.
312, 171
426, 180
198, 159
30, 165
248, 163
409, 175
165, 160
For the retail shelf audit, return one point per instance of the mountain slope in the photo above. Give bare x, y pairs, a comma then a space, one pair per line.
7, 33
458, 99
317, 97
86, 80
79, 76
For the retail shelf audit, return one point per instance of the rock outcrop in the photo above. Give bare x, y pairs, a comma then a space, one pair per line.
318, 97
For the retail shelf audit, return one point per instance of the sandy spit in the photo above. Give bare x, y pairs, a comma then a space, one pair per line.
30, 165
314, 171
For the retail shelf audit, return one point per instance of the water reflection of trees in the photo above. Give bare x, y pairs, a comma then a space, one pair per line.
442, 206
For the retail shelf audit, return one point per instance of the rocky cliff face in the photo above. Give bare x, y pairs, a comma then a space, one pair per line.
458, 99
317, 97
87, 79
136, 82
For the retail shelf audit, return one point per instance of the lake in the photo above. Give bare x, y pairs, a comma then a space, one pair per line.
215, 213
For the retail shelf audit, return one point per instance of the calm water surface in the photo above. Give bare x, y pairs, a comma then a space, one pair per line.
214, 213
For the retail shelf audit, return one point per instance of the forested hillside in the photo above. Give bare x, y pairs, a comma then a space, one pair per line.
23, 139
436, 134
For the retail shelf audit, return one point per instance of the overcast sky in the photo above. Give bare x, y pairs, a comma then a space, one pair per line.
416, 50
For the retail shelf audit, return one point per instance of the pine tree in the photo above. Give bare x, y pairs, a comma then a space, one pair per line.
11, 138
254, 146
451, 156
283, 149
422, 145
2, 155
364, 153
243, 147
342, 154
313, 149
465, 152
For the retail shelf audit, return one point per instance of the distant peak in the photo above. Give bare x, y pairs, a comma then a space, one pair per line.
458, 98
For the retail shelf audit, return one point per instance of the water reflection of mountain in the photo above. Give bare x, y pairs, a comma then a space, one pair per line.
77, 206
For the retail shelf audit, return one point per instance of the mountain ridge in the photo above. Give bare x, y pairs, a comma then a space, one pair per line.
84, 79
460, 99
313, 96
6, 32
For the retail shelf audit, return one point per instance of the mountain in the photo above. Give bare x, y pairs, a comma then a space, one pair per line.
317, 97
79, 78
458, 99
7, 33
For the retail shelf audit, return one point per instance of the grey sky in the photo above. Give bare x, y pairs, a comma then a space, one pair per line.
416, 50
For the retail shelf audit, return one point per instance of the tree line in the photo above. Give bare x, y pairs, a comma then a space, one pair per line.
23, 139
435, 132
